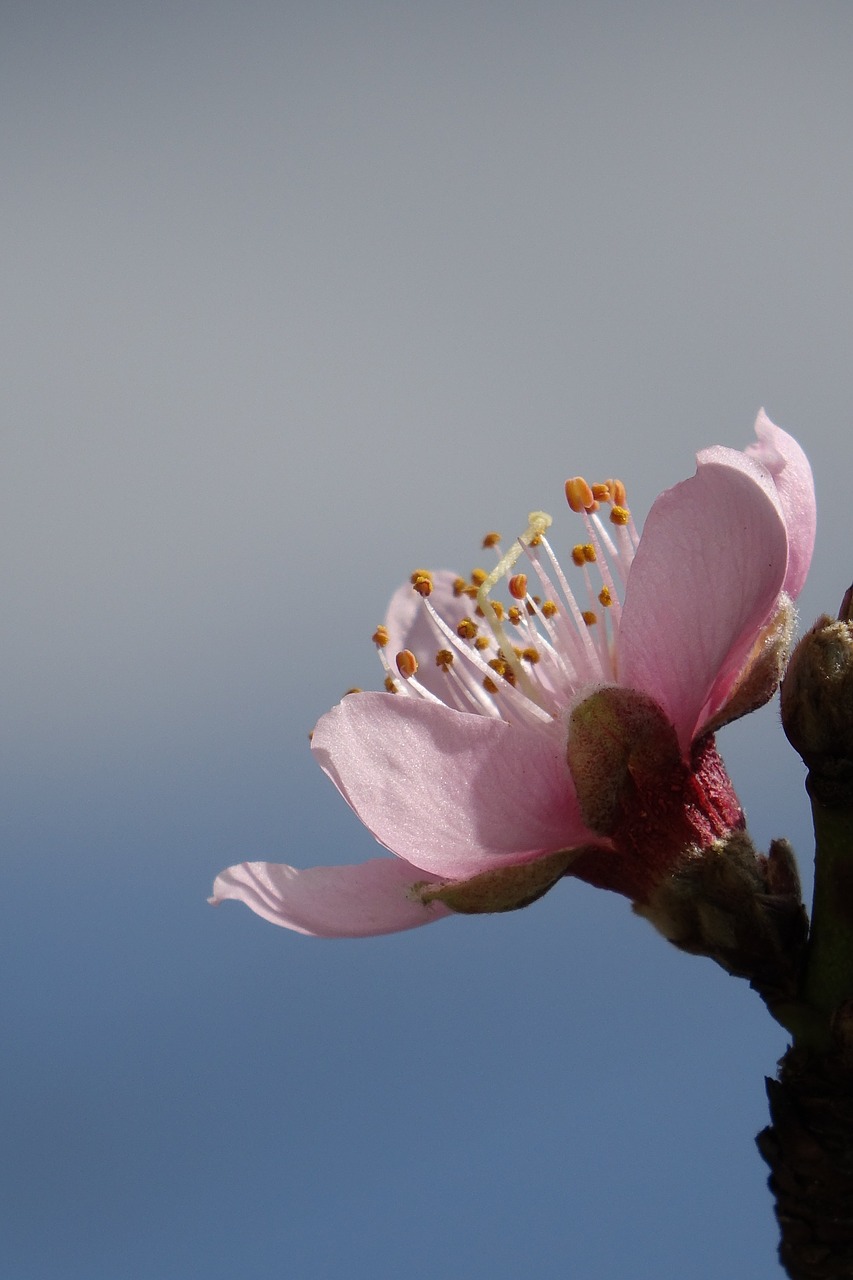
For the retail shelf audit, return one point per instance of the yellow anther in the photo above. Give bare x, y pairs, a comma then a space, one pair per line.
605, 598
390, 685
422, 583
578, 494
380, 637
354, 689
530, 655
589, 617
407, 663
518, 586
578, 556
444, 659
501, 667
549, 609
420, 573
482, 642
498, 609
491, 540
514, 615
601, 492
620, 515
466, 629
459, 585
589, 553
478, 577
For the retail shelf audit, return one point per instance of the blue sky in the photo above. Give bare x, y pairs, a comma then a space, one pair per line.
298, 298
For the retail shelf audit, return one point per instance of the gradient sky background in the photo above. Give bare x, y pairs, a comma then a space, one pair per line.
296, 298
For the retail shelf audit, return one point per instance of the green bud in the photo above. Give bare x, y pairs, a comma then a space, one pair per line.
817, 705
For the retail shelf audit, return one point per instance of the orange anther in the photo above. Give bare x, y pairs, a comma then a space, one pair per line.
380, 637
578, 494
407, 663
518, 586
618, 496
491, 540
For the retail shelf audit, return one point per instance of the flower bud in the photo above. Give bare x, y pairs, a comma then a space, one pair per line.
817, 705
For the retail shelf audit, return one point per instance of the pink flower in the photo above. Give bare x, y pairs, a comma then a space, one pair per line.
523, 740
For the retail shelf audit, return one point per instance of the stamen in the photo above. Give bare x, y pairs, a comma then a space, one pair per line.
538, 522
589, 617
380, 637
525, 706
444, 659
391, 685
491, 540
407, 664
467, 629
579, 495
620, 515
618, 496
517, 586
422, 582
605, 598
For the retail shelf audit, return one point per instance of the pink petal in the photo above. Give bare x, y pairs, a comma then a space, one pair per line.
411, 627
331, 902
709, 568
452, 793
792, 475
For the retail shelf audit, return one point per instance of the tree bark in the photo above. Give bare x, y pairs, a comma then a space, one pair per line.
809, 1148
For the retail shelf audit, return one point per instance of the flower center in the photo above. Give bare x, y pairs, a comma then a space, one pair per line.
523, 658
